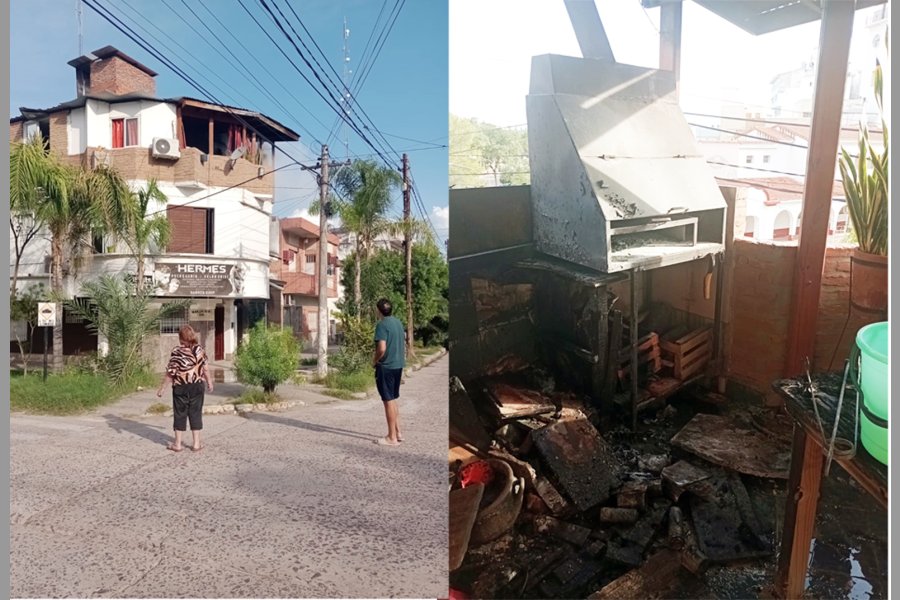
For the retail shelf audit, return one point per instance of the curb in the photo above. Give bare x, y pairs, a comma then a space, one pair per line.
232, 409
408, 371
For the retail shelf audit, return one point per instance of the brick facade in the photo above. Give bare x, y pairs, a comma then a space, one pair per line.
115, 76
138, 163
59, 133
16, 131
761, 305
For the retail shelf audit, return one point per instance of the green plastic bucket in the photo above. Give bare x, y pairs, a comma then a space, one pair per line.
872, 341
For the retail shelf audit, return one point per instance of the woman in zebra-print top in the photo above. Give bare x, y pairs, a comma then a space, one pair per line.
187, 371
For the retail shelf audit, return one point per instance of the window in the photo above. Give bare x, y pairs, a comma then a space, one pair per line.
766, 158
310, 258
124, 133
190, 229
749, 159
174, 321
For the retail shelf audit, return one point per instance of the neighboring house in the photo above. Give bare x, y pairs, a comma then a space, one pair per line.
210, 162
295, 302
774, 208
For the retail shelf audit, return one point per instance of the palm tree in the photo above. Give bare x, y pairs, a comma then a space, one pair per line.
35, 178
145, 230
365, 188
70, 202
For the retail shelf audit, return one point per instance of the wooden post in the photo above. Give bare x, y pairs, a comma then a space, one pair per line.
211, 138
800, 515
834, 49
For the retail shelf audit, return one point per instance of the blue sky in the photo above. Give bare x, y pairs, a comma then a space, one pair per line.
405, 93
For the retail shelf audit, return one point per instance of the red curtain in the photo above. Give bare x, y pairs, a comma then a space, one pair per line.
118, 133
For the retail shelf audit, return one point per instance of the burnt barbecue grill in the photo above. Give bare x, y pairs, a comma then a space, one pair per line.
617, 180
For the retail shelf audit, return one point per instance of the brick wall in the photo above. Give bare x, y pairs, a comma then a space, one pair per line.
59, 133
138, 163
761, 306
16, 131
116, 76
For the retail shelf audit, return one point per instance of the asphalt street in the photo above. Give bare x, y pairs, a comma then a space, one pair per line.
299, 503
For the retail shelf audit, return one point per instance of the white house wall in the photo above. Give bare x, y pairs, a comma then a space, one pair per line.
77, 131
155, 119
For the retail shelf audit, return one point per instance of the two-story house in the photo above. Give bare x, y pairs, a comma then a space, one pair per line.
296, 277
214, 165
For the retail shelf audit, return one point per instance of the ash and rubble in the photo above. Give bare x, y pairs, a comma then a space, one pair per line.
607, 511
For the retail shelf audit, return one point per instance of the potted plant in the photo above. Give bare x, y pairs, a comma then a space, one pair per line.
865, 180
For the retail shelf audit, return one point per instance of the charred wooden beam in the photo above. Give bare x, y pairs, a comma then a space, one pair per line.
618, 515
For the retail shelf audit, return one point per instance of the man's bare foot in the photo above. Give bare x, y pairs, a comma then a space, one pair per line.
386, 441
173, 447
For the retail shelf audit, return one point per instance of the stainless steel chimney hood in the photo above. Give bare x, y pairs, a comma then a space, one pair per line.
617, 180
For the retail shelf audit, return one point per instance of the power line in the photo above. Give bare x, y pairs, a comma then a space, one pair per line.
769, 121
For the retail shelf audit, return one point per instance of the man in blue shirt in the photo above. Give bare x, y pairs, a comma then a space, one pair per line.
389, 360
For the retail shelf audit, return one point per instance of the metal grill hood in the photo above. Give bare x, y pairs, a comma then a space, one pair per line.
617, 180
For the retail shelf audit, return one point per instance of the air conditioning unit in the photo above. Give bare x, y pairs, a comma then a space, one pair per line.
165, 148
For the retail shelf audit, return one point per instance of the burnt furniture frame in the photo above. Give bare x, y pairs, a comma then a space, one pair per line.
807, 463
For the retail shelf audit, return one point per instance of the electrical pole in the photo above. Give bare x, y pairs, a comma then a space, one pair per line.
407, 249
322, 340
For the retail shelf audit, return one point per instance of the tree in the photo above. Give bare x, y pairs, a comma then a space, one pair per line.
383, 276
124, 317
482, 154
268, 357
23, 308
35, 178
365, 187
145, 230
71, 202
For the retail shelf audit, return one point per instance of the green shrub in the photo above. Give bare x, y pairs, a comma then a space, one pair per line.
356, 352
268, 357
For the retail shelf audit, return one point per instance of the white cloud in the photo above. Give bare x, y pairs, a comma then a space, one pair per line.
440, 216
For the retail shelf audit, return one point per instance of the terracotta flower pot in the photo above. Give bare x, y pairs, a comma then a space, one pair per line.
868, 281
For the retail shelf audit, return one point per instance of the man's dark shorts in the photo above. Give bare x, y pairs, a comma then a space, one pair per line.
388, 383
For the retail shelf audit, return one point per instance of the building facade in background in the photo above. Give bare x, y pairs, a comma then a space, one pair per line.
212, 163
294, 270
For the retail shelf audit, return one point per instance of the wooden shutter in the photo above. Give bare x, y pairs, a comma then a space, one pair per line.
188, 229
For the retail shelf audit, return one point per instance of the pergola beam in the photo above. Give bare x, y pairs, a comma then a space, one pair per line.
834, 50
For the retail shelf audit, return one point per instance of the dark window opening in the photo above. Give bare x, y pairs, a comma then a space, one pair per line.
196, 133
97, 240
220, 139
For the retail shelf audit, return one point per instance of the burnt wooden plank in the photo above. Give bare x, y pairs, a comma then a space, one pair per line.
568, 532
678, 477
722, 533
465, 426
654, 579
723, 442
582, 461
463, 510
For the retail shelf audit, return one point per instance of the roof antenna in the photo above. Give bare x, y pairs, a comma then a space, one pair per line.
79, 15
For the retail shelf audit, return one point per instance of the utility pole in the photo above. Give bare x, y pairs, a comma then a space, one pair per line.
322, 363
407, 249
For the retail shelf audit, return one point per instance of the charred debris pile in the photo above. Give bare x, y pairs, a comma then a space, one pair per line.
550, 499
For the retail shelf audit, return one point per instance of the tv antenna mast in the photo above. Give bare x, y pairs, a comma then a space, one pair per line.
347, 76
79, 16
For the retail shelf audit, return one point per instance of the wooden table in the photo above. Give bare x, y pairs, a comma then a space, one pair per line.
807, 464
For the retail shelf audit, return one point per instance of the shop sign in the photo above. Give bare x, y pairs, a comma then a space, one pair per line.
186, 279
